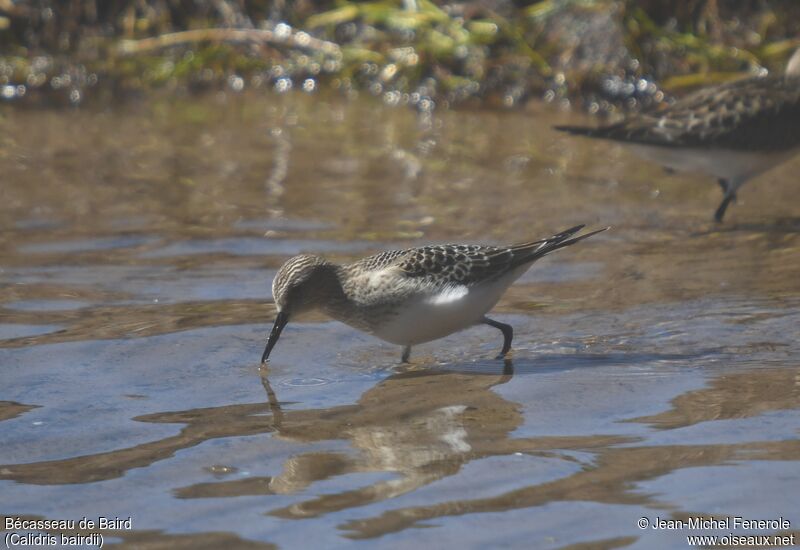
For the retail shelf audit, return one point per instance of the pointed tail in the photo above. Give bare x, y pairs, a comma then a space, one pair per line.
529, 252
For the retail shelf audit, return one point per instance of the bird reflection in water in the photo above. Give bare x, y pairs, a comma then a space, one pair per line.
423, 425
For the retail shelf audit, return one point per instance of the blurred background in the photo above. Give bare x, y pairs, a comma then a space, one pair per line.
159, 160
601, 53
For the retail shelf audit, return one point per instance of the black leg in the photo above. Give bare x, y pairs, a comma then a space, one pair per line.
730, 196
406, 354
508, 334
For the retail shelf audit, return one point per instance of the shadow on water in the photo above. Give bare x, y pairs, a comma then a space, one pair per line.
737, 395
544, 363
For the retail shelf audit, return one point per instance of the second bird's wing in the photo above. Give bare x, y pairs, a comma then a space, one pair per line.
759, 113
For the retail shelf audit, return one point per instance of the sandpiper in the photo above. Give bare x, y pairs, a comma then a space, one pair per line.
734, 131
410, 296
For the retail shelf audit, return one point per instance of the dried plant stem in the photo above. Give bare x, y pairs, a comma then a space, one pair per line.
300, 40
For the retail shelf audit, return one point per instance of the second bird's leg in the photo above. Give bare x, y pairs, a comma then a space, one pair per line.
406, 354
508, 334
730, 195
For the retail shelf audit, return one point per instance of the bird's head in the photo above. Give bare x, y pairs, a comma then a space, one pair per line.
300, 285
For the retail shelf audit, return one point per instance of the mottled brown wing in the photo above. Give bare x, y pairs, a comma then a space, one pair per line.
473, 264
754, 114
461, 264
456, 263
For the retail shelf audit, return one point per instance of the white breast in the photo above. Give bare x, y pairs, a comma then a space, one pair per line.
736, 166
426, 316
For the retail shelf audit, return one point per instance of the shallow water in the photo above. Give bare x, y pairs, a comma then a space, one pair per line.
655, 370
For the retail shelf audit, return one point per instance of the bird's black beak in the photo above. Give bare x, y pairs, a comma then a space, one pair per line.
280, 322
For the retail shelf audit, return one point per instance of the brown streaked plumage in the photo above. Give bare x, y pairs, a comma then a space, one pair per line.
410, 296
734, 131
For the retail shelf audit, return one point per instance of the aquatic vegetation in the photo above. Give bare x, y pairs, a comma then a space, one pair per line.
424, 53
